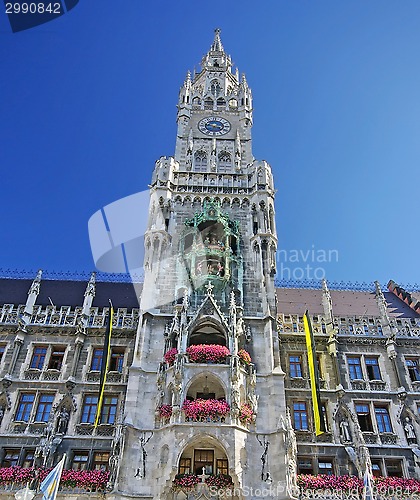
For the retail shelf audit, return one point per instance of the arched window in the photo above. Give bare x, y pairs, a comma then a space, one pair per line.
200, 161
196, 101
221, 102
208, 103
207, 334
215, 88
225, 162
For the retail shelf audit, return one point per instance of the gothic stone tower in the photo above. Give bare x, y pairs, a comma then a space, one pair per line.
209, 287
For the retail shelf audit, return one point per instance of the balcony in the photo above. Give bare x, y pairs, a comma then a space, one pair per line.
51, 374
304, 436
199, 486
388, 438
103, 430
299, 383
370, 437
359, 385
377, 385
32, 374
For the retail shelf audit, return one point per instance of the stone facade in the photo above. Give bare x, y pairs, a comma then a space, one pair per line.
208, 288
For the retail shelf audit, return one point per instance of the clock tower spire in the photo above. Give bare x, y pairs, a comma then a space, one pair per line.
208, 287
215, 104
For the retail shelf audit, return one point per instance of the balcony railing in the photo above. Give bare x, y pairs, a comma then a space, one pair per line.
68, 316
103, 430
370, 437
388, 438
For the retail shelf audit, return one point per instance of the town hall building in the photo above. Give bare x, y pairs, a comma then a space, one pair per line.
208, 391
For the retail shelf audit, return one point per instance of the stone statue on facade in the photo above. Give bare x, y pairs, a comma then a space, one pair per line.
253, 400
114, 459
47, 447
409, 431
345, 431
291, 455
63, 420
235, 399
234, 368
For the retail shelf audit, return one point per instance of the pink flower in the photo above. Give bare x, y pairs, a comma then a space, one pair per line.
200, 409
84, 479
165, 411
207, 353
170, 356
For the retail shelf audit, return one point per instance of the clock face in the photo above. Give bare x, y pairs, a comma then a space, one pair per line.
214, 126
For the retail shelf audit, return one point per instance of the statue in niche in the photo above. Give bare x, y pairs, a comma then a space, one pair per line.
63, 420
179, 366
291, 454
236, 397
409, 431
252, 375
45, 451
117, 446
253, 401
159, 399
160, 382
345, 431
234, 368
176, 395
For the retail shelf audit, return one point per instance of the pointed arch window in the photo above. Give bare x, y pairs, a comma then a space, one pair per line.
221, 103
225, 162
200, 161
196, 101
215, 88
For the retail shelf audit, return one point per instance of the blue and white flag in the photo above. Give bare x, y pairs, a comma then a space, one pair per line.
49, 485
368, 485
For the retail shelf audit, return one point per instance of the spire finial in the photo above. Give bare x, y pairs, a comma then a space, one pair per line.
90, 288
217, 43
36, 283
209, 287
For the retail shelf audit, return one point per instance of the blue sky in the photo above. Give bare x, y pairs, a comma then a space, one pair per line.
88, 103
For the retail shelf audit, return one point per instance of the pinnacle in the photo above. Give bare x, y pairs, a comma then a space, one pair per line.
217, 43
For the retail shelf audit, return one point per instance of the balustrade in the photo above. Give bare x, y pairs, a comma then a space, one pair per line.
66, 316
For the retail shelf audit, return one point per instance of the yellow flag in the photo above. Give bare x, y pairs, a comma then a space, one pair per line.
106, 356
314, 376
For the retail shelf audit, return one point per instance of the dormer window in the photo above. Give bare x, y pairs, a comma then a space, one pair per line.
216, 63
